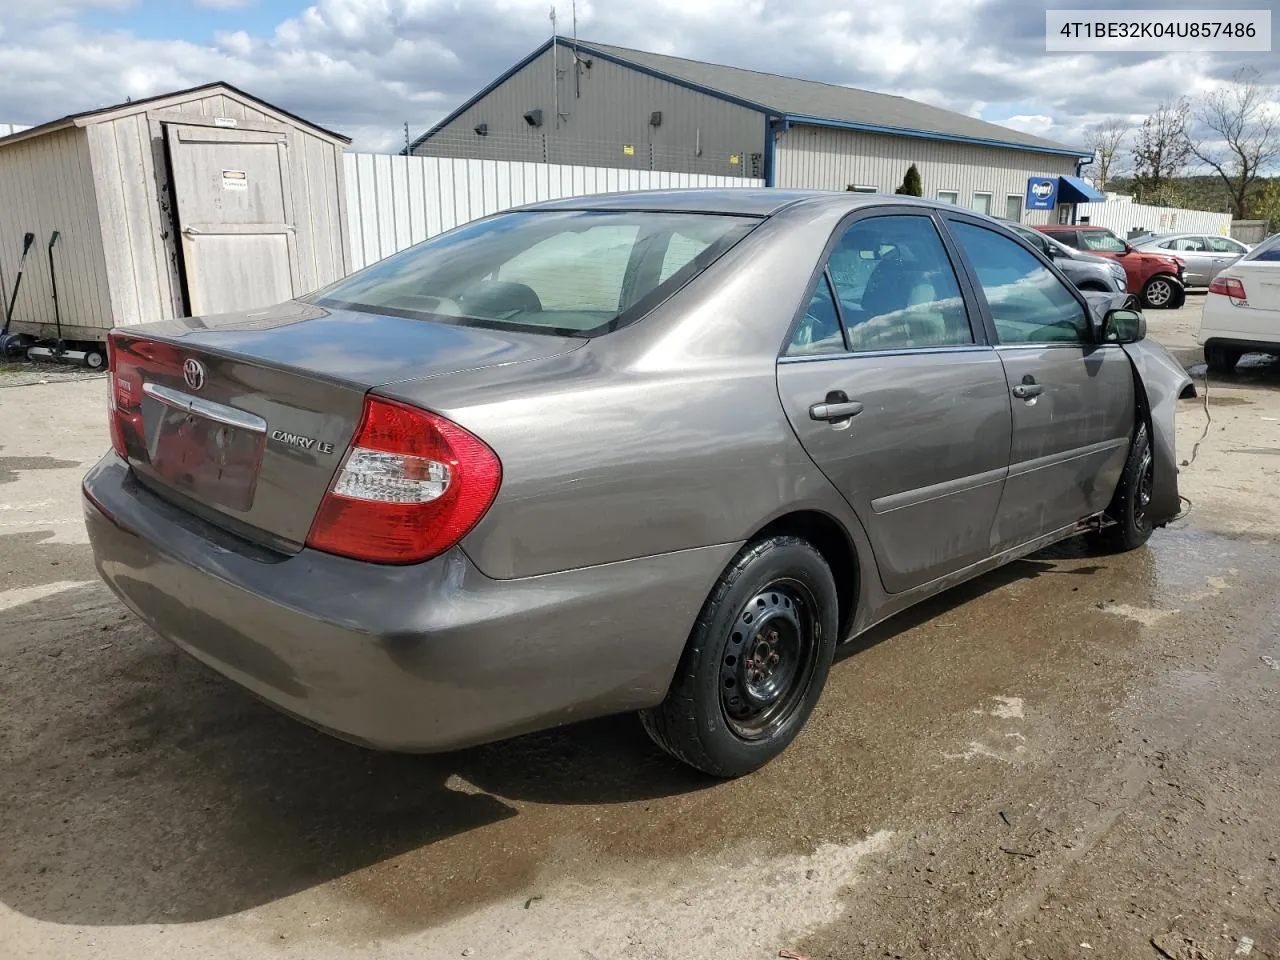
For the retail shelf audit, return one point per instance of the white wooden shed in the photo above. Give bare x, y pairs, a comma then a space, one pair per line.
196, 202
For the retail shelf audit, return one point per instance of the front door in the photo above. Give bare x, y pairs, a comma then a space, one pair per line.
899, 400
235, 217
1073, 400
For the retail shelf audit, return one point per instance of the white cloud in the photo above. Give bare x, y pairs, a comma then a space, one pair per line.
365, 67
1035, 124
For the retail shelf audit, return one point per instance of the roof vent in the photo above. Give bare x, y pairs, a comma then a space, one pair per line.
482, 129
533, 118
655, 118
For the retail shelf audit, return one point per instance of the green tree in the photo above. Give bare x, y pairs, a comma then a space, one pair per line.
1267, 204
911, 185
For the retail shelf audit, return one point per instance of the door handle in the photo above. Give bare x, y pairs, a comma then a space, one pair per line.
835, 411
1027, 391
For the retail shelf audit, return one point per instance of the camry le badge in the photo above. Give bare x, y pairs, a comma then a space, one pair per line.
301, 442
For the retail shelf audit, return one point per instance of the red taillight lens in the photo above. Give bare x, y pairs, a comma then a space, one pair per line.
1231, 287
411, 486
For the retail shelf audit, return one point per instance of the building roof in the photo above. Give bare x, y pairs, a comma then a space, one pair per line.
793, 97
801, 101
85, 118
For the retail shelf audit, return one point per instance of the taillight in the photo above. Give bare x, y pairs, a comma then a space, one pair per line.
411, 486
123, 399
1231, 287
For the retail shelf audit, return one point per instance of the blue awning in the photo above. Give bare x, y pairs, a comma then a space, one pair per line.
1075, 190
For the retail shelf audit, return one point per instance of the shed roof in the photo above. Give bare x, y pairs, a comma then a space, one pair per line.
801, 101
88, 117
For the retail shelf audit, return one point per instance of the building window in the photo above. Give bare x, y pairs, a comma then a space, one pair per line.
948, 196
982, 203
1064, 213
1013, 207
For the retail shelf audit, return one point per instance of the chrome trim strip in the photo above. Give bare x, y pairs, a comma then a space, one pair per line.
936, 491
1065, 456
218, 412
870, 354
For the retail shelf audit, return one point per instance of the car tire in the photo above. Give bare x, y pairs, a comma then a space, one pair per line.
1161, 292
1131, 527
755, 663
1220, 359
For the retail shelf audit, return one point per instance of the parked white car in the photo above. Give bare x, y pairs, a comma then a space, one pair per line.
1242, 311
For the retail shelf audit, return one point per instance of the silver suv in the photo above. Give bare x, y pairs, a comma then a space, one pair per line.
1086, 271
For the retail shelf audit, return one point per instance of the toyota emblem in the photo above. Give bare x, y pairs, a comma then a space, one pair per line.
193, 373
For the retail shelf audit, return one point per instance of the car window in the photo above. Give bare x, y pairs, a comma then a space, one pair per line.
1103, 240
1168, 245
571, 272
1028, 303
1190, 244
1224, 245
896, 287
1268, 250
1069, 237
819, 329
1033, 237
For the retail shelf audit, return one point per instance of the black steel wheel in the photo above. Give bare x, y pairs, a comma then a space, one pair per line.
1132, 527
755, 663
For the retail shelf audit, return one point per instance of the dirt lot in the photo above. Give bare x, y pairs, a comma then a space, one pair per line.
1067, 758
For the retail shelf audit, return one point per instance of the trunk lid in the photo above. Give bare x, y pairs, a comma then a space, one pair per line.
1261, 279
243, 419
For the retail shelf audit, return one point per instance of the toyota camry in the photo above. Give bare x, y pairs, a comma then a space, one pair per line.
657, 452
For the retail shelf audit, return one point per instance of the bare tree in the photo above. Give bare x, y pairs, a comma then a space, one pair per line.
1105, 140
1162, 150
1240, 128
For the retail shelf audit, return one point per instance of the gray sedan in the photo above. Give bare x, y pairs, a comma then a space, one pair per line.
656, 452
1205, 255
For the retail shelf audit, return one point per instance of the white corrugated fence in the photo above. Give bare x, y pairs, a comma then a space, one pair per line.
1123, 217
394, 202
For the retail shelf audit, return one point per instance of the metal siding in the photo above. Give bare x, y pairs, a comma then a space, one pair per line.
824, 158
612, 111
1122, 216
395, 202
43, 187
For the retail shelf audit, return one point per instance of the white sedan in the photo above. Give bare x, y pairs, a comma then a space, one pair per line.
1242, 311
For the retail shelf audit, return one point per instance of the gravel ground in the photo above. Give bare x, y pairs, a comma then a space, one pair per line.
1077, 756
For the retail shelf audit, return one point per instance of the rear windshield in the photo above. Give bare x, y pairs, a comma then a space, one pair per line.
1103, 240
568, 272
1268, 249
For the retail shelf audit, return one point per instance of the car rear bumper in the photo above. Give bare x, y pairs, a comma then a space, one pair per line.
418, 658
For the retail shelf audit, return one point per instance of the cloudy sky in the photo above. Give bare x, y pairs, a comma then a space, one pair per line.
365, 67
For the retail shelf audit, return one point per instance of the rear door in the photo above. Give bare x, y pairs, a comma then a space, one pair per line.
1072, 400
1225, 252
897, 396
235, 217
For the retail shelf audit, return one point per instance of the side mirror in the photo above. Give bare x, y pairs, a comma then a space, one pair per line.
1127, 249
1123, 326
1051, 251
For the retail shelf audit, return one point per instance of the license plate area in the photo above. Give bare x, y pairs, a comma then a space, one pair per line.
196, 448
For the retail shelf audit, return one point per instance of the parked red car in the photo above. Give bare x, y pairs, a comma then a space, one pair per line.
1159, 279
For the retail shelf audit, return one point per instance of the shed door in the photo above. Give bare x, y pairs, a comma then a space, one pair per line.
235, 214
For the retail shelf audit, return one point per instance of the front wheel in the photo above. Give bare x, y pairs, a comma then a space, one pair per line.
1160, 293
755, 663
1132, 526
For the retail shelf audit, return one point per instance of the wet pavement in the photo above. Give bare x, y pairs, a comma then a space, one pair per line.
1067, 758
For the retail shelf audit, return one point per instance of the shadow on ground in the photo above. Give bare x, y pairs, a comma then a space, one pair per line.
139, 787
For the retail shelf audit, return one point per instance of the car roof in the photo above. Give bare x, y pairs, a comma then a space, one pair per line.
749, 201
1053, 227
